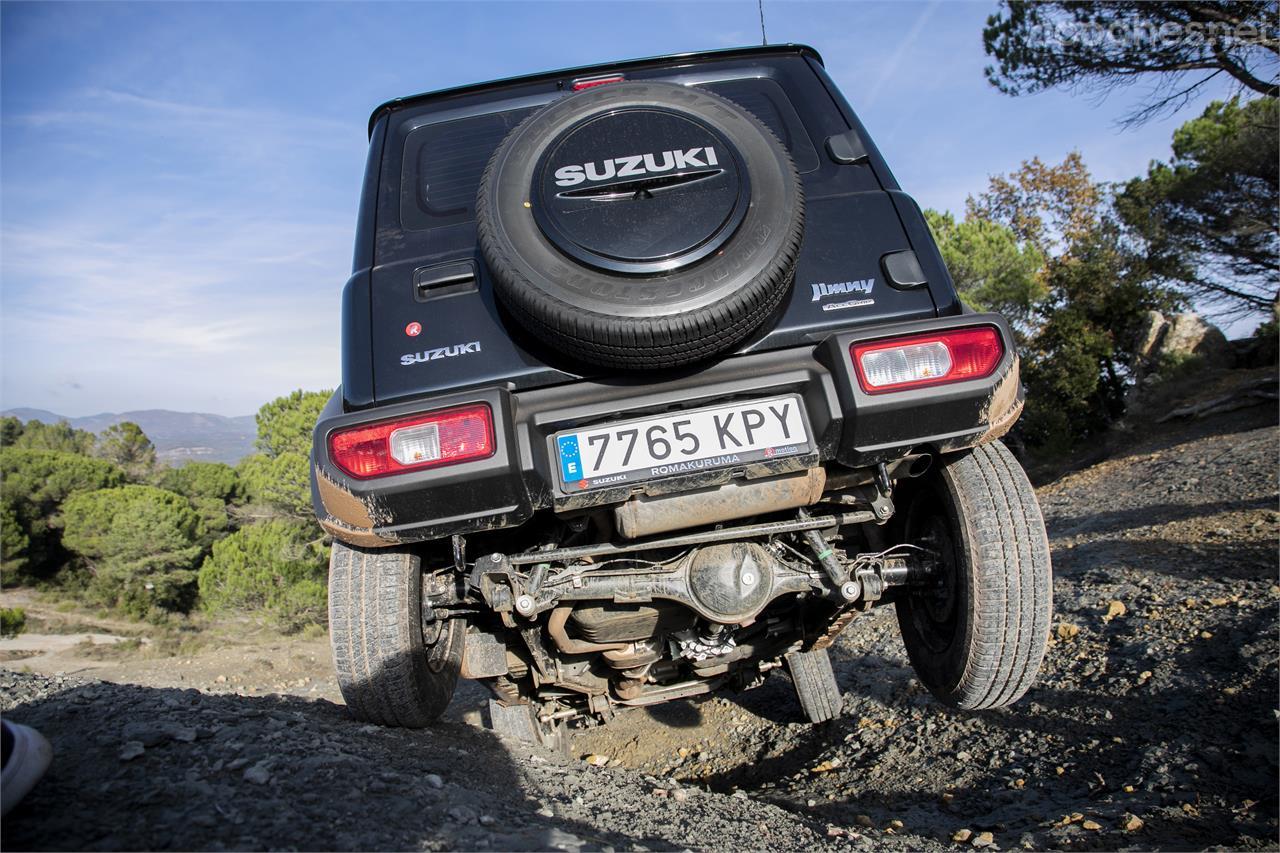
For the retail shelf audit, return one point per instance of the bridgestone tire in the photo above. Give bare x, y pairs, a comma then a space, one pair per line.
627, 321
388, 673
815, 683
977, 638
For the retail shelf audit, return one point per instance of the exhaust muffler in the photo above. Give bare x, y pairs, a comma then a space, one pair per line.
644, 516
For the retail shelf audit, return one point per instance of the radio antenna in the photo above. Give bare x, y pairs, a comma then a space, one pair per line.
764, 39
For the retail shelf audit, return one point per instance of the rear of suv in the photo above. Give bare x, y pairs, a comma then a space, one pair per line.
653, 380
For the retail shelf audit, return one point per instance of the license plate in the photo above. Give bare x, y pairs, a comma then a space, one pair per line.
682, 443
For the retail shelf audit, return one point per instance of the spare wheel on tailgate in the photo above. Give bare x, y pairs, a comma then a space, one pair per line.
641, 225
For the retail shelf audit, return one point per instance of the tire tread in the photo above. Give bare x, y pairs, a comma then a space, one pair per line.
1011, 577
376, 635
816, 685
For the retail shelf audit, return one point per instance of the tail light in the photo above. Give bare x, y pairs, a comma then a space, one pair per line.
932, 359
446, 437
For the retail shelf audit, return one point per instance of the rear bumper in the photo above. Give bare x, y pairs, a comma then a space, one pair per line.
850, 427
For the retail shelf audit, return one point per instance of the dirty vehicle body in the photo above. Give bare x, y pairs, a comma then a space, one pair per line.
653, 379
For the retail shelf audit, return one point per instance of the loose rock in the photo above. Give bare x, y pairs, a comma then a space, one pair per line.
257, 774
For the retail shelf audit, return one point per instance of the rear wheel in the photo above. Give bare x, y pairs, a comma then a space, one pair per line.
394, 669
976, 634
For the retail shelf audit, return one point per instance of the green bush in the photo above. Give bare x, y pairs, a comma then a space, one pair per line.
13, 621
991, 268
215, 521
60, 438
33, 486
10, 430
211, 487
1268, 337
285, 424
214, 480
279, 475
1075, 365
15, 544
274, 568
128, 446
282, 483
141, 546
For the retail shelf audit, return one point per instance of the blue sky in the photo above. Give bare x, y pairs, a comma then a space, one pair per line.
178, 182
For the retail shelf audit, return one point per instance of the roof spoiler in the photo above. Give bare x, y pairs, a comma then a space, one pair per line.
586, 70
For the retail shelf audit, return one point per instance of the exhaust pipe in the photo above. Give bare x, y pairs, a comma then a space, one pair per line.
912, 465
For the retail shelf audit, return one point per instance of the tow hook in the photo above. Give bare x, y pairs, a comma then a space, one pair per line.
492, 577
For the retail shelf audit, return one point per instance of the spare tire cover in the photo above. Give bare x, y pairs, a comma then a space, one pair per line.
641, 225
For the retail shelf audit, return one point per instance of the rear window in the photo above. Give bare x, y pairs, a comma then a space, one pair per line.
443, 162
443, 165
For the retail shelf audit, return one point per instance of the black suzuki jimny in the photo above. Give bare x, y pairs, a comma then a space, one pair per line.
652, 381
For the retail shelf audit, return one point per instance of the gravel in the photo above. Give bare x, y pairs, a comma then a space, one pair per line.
1153, 725
285, 772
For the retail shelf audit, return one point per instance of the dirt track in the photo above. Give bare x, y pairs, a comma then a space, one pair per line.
1153, 725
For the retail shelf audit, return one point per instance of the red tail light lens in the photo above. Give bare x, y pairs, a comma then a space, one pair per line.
592, 82
439, 438
932, 359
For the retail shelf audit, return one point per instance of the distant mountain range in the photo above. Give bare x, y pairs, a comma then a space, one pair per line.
178, 436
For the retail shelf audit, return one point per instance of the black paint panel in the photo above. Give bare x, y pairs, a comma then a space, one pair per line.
424, 219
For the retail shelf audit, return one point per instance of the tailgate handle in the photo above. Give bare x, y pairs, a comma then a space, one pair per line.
903, 270
444, 280
847, 148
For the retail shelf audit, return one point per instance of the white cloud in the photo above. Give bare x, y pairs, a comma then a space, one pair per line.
171, 254
170, 314
116, 108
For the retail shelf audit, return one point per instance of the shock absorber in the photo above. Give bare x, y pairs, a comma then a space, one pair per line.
847, 588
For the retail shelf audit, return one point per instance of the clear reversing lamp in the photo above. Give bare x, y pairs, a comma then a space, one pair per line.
897, 364
446, 437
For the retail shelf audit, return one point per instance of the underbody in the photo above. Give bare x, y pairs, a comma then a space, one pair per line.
582, 624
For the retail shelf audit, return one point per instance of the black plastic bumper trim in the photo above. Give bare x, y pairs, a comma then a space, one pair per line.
848, 426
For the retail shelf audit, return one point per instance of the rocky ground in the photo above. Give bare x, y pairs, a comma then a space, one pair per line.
1153, 725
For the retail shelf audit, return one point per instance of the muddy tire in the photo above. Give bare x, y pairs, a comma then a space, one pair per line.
520, 722
815, 683
977, 635
393, 669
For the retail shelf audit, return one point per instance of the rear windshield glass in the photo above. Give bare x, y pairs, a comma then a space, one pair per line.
443, 162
